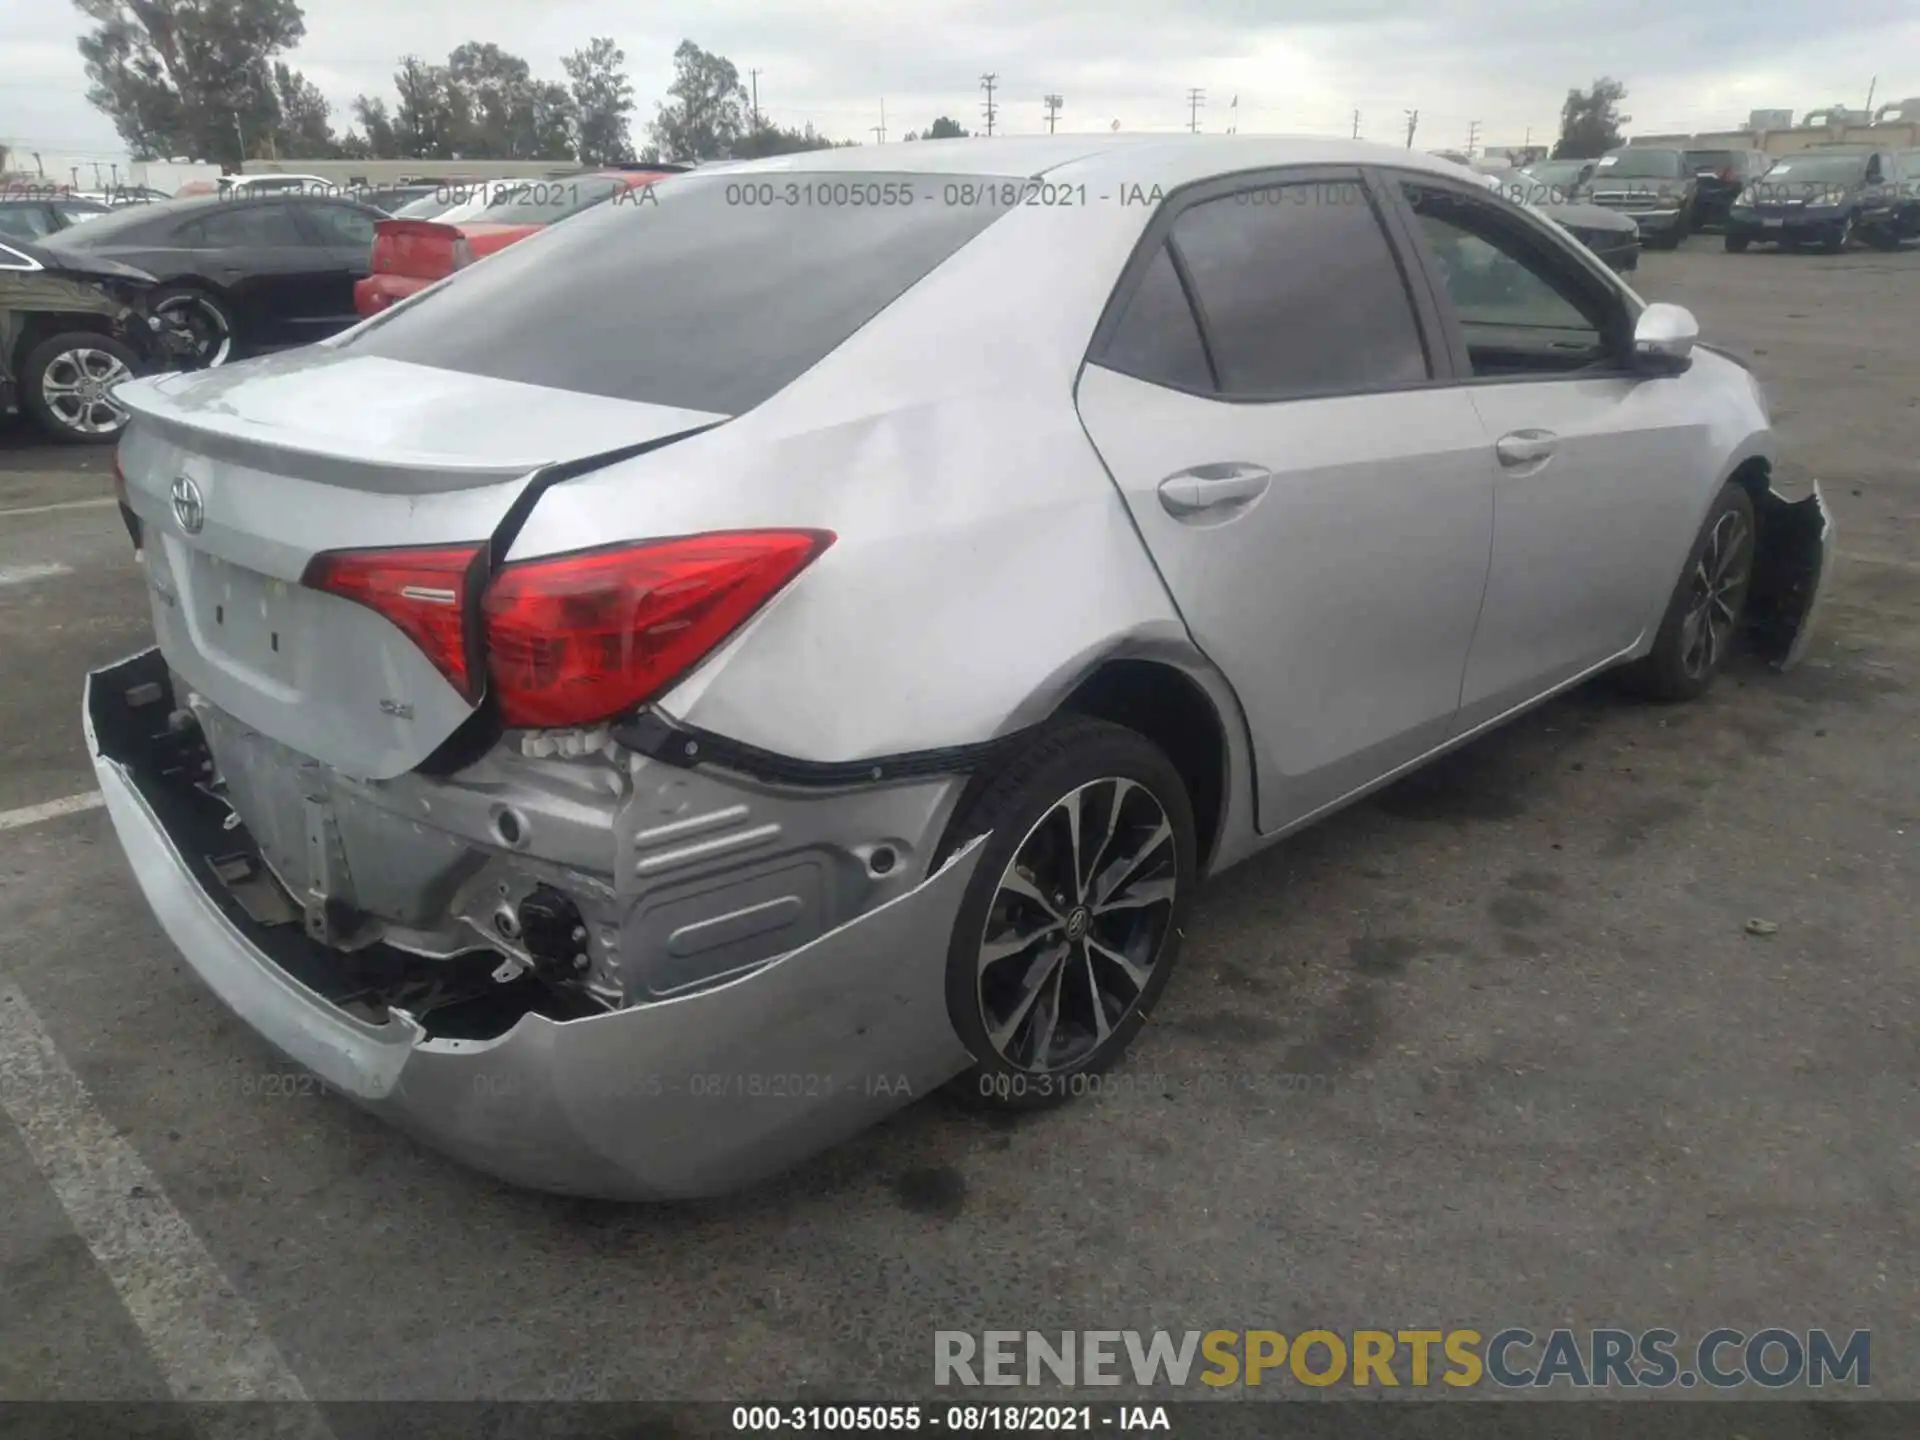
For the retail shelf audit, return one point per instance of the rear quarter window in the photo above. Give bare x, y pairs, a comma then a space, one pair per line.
702, 292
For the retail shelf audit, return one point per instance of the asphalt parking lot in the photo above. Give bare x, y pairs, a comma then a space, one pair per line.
1552, 1077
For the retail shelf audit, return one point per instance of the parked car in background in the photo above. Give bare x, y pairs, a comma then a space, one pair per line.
567, 690
1909, 190
1826, 198
234, 185
410, 254
1613, 237
30, 217
1719, 176
1553, 182
1652, 184
392, 199
242, 273
70, 331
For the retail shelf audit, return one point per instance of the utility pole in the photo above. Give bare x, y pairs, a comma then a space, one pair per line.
1872, 85
1195, 99
990, 110
1356, 124
880, 130
1053, 110
38, 168
1473, 137
754, 77
240, 136
1413, 122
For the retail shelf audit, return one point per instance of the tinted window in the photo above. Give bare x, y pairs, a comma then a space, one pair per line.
1714, 160
340, 224
1157, 338
240, 225
1522, 311
1834, 169
1299, 292
694, 295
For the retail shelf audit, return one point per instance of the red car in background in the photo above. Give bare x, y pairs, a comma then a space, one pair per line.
409, 255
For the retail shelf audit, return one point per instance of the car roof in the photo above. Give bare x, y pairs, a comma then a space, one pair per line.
1146, 160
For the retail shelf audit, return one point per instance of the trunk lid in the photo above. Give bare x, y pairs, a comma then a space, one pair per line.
241, 475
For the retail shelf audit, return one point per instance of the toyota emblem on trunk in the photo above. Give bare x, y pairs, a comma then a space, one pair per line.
188, 508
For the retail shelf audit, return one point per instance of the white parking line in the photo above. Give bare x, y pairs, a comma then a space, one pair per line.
51, 809
61, 505
21, 574
205, 1338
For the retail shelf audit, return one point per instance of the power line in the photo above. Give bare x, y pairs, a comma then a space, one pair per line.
992, 111
1195, 99
1053, 103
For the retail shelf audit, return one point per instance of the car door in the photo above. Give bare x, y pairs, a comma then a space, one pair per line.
345, 232
1270, 398
1592, 463
275, 273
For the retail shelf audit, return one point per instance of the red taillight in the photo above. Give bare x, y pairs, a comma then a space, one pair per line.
578, 638
422, 590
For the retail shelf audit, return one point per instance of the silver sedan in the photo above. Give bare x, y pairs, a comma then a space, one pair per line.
795, 638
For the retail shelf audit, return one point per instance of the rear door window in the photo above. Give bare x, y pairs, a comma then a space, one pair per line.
241, 225
1299, 292
1158, 339
706, 292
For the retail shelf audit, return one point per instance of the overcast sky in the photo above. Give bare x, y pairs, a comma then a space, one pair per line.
1687, 64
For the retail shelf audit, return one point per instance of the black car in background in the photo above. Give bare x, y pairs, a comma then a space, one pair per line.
1652, 184
243, 273
1826, 198
32, 213
1719, 176
72, 329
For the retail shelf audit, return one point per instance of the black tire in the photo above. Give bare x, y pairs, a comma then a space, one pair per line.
1017, 803
1672, 670
57, 362
1737, 244
1882, 237
208, 315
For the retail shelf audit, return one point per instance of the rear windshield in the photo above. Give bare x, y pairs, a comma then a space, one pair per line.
705, 292
1841, 169
1712, 159
1637, 164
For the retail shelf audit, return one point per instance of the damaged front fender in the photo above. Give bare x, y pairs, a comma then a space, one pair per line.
1793, 562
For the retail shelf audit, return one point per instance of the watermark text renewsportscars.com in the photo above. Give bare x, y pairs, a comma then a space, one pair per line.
1512, 1357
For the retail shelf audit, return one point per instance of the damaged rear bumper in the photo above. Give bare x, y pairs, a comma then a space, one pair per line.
679, 1098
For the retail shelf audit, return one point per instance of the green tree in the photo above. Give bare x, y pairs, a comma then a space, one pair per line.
378, 135
305, 131
602, 99
943, 129
188, 76
705, 114
432, 120
777, 140
1590, 121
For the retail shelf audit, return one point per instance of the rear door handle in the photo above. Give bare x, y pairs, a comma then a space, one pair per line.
1521, 448
1213, 488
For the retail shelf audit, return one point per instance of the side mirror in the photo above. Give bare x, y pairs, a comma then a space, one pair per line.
1663, 339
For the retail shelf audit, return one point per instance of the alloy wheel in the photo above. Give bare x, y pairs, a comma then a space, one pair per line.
1077, 925
1715, 593
77, 388
212, 339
